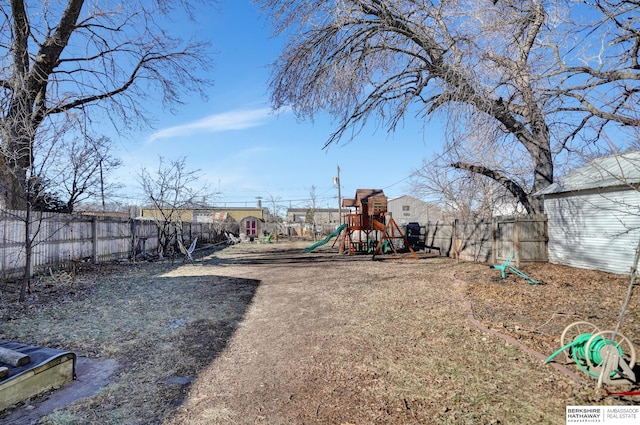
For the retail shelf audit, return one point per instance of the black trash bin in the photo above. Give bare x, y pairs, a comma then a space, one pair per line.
413, 234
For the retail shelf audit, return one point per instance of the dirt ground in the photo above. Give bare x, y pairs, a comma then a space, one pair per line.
266, 334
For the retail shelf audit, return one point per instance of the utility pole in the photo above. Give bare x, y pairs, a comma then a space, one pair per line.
336, 180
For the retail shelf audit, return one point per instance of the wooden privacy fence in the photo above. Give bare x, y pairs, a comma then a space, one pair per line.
59, 239
491, 240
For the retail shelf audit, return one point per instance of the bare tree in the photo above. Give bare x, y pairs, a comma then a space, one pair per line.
169, 191
95, 60
39, 192
461, 195
598, 63
470, 195
310, 217
34, 195
275, 213
82, 170
491, 68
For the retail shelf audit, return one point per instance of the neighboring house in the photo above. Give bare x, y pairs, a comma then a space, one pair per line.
506, 204
407, 209
594, 215
114, 214
245, 221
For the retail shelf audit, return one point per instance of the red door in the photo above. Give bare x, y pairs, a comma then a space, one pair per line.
251, 227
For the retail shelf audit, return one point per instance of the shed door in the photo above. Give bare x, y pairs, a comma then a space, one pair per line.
251, 227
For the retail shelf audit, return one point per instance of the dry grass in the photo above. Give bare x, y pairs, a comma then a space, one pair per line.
273, 335
156, 325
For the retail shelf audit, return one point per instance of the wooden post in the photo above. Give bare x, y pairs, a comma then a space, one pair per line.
494, 242
546, 239
454, 232
516, 240
13, 358
132, 230
4, 372
94, 238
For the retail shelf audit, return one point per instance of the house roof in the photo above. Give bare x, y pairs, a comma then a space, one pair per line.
216, 213
610, 171
304, 210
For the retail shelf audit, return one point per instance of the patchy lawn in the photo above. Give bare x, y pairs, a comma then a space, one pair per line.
264, 333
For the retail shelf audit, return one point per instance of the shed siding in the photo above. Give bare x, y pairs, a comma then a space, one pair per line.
407, 209
594, 230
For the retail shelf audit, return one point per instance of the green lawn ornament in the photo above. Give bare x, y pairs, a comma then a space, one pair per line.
508, 267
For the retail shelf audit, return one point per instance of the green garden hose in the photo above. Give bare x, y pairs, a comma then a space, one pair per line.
577, 349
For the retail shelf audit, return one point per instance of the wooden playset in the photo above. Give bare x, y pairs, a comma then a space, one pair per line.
369, 227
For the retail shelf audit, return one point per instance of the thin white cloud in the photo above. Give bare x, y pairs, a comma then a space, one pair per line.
226, 121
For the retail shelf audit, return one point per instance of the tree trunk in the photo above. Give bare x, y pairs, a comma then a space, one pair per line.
543, 177
11, 188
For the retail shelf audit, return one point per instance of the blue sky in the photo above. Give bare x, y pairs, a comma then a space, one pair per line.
246, 151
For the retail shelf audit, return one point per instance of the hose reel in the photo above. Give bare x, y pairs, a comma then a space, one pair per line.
605, 355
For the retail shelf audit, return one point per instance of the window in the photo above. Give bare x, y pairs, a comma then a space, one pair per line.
406, 208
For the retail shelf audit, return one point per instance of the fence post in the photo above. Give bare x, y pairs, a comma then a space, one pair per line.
516, 240
545, 231
494, 248
454, 247
134, 238
426, 234
94, 238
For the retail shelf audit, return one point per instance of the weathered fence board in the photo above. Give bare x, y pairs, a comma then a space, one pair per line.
524, 236
63, 238
59, 239
491, 240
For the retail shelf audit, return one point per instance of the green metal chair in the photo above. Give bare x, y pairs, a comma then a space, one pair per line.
508, 267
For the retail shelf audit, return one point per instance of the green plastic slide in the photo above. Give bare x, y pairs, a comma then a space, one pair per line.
327, 239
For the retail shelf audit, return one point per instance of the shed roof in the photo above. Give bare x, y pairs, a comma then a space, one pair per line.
408, 198
609, 171
349, 202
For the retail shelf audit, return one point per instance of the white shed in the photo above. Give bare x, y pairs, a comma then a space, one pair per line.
594, 215
407, 209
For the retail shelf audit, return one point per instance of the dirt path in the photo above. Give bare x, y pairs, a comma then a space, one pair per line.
347, 340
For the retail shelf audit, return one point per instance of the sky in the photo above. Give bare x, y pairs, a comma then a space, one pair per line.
246, 152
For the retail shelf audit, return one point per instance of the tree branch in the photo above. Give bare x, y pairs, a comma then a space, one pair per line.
513, 187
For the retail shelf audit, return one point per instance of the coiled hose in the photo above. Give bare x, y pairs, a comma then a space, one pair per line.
577, 350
